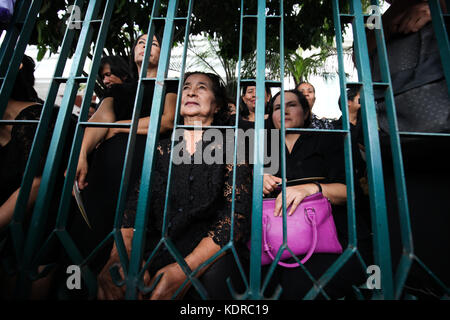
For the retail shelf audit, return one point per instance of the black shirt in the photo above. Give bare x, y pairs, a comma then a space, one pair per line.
315, 155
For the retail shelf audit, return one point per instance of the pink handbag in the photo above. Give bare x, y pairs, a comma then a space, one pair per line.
309, 229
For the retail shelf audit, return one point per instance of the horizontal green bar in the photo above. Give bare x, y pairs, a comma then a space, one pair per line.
105, 124
423, 134
327, 131
19, 121
204, 127
64, 79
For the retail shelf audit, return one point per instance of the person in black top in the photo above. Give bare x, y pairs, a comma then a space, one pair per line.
119, 108
312, 155
113, 70
199, 222
16, 141
248, 101
103, 150
308, 90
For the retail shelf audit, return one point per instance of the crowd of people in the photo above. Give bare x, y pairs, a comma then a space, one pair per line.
198, 223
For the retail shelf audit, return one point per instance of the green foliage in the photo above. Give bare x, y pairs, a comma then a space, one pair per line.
306, 26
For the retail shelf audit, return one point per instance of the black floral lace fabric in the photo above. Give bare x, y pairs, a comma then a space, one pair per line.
199, 202
321, 123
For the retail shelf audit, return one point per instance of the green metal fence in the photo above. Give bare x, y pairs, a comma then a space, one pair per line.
29, 253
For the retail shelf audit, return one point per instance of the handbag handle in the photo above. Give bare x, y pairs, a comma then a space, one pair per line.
312, 216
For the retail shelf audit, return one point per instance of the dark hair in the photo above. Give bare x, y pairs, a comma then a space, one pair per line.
301, 99
304, 82
118, 66
133, 67
243, 108
221, 117
352, 92
23, 89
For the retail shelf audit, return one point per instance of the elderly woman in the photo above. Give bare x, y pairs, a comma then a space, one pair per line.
199, 222
312, 155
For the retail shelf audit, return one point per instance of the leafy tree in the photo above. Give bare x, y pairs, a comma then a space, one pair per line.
308, 23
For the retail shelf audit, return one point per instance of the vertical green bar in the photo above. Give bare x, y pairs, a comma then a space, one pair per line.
42, 204
402, 198
19, 49
382, 253
138, 243
255, 257
38, 143
345, 125
12, 33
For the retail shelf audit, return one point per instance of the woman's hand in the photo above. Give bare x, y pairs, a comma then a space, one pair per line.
412, 19
294, 195
107, 289
270, 183
82, 170
172, 278
111, 133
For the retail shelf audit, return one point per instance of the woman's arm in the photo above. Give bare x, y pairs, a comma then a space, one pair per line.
92, 137
107, 290
167, 119
335, 192
7, 208
173, 277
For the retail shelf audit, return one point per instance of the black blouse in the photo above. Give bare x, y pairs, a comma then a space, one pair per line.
315, 155
199, 204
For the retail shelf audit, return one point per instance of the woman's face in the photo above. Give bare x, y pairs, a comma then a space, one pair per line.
139, 51
108, 78
250, 98
308, 91
355, 104
294, 115
198, 102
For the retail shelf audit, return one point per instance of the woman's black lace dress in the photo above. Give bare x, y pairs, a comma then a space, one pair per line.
199, 204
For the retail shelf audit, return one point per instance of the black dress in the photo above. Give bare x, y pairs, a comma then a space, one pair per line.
315, 155
199, 206
104, 176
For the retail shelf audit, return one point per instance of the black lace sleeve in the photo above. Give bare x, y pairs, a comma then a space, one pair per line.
221, 230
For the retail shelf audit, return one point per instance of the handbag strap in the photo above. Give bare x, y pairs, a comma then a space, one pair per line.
311, 214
